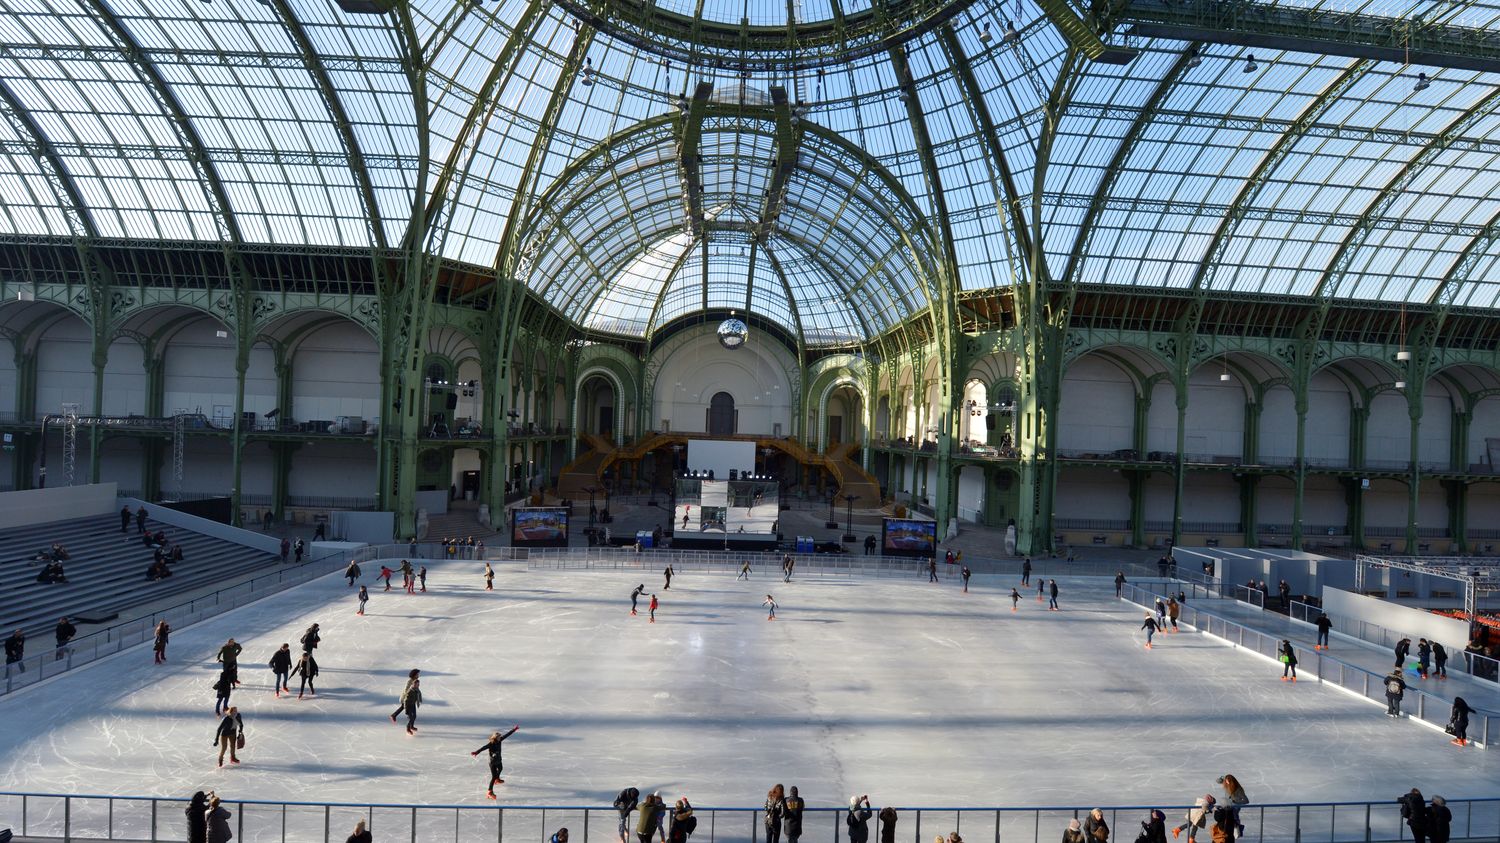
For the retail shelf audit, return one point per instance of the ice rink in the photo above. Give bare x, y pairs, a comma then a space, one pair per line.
915, 693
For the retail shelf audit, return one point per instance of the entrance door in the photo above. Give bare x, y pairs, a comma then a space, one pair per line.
606, 421
721, 414
835, 430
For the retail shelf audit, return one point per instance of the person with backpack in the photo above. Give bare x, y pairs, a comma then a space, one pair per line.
791, 816
1095, 829
1196, 818
775, 806
1439, 820
857, 821
626, 802
1288, 657
1395, 689
1439, 661
1414, 811
1324, 625
281, 668
1153, 828
649, 820
683, 822
1150, 625
1458, 722
1223, 827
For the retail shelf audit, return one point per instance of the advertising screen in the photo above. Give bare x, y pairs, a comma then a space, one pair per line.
907, 537
539, 527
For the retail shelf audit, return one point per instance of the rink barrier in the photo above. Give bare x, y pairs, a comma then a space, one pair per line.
1427, 707
45, 663
1471, 664
68, 817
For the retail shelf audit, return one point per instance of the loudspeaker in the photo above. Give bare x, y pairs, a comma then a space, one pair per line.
989, 422
453, 400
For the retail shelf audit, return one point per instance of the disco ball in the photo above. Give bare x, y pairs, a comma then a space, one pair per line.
732, 333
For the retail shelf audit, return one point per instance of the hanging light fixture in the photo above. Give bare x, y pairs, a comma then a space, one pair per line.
1224, 375
1250, 65
1193, 59
1422, 83
984, 34
1011, 34
588, 72
1403, 355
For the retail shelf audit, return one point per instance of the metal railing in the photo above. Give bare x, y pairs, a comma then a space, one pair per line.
74, 817
1472, 664
1417, 704
48, 660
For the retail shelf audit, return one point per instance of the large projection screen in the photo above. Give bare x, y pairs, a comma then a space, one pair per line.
720, 456
729, 508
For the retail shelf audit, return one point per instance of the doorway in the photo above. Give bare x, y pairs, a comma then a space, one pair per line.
721, 414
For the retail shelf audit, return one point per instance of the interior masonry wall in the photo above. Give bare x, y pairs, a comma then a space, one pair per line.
754, 375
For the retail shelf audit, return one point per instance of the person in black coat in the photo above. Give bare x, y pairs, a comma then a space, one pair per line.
1324, 625
281, 668
1414, 811
1458, 722
1120, 581
1402, 648
15, 650
858, 819
159, 641
222, 689
311, 638
497, 766
1395, 689
229, 654
1153, 828
227, 736
1439, 661
791, 816
1052, 593
1439, 820
140, 520
218, 822
197, 819
627, 801
65, 632
307, 668
1288, 658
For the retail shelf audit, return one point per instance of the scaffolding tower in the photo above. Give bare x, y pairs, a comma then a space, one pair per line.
1478, 576
70, 442
179, 438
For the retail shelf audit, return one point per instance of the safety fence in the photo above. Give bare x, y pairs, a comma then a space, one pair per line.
1203, 590
1417, 704
72, 817
1461, 661
49, 661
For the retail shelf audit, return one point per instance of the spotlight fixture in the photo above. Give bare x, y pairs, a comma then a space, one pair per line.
1250, 65
1225, 377
1422, 82
1011, 33
1193, 59
1403, 355
984, 34
588, 72
1400, 384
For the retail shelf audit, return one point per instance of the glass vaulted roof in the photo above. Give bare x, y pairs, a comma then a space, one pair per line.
632, 175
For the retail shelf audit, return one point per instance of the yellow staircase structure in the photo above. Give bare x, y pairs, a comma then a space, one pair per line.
583, 472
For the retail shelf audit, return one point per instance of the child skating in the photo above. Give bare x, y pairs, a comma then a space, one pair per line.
496, 764
652, 608
422, 577
489, 577
770, 603
1151, 626
1015, 599
364, 597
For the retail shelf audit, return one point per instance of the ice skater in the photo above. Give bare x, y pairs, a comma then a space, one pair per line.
229, 655
1052, 595
1458, 722
1150, 625
932, 570
685, 516
667, 573
1026, 572
1288, 658
1119, 582
408, 577
1197, 817
1439, 661
1161, 614
311, 638
222, 689
64, 633
489, 577
966, 573
1324, 625
385, 574
635, 596
1238, 799
497, 765
1015, 599
1424, 657
1174, 611
1395, 689
352, 572
627, 801
422, 578
1041, 589
410, 699
744, 571
364, 597
281, 668
770, 603
307, 668
652, 608
159, 644
411, 676
229, 735
1402, 648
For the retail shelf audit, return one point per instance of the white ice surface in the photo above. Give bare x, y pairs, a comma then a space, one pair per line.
914, 693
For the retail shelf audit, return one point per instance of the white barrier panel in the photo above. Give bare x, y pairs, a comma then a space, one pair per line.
62, 503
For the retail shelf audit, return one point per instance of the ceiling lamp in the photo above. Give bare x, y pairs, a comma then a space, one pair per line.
588, 72
984, 34
1193, 59
1400, 384
1404, 355
1224, 375
1422, 83
1250, 65
733, 333
1011, 34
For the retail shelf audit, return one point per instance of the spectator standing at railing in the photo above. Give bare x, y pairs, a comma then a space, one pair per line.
1074, 833
1288, 658
775, 806
411, 547
1161, 567
1324, 625
1119, 582
1458, 721
1153, 828
362, 834
1284, 590
64, 633
1395, 689
1095, 829
159, 641
479, 550
1414, 811
887, 817
1402, 648
791, 816
857, 821
1439, 820
683, 822
1439, 661
197, 809
627, 801
559, 836
1238, 799
299, 548
1424, 657
1174, 611
281, 668
217, 819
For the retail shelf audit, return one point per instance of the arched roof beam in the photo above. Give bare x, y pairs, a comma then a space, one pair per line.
64, 188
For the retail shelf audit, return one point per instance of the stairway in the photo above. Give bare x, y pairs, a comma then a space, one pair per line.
853, 479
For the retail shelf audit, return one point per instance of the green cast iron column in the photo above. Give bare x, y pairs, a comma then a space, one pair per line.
100, 358
1299, 470
22, 476
237, 432
1179, 475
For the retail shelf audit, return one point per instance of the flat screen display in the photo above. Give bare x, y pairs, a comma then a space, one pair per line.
908, 537
539, 527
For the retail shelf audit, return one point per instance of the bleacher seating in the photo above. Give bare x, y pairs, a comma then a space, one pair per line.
106, 570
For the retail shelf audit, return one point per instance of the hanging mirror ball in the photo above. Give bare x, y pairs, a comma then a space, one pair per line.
732, 333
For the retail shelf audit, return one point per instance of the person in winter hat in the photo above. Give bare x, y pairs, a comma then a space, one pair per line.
1196, 817
1414, 811
857, 821
1073, 833
1153, 828
887, 817
1237, 800
1439, 820
627, 801
1395, 689
791, 816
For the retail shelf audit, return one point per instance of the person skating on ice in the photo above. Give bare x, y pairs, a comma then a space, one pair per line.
229, 655
635, 597
652, 608
311, 638
222, 689
932, 570
489, 577
352, 572
307, 669
410, 699
385, 574
227, 736
966, 573
1197, 817
1150, 625
1174, 611
744, 571
1458, 721
1324, 625
1402, 648
1424, 657
1119, 582
1015, 599
281, 668
364, 597
667, 575
422, 578
1288, 658
497, 764
1439, 661
64, 633
1238, 799
1395, 689
1041, 589
411, 676
1052, 595
1026, 572
770, 603
159, 641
